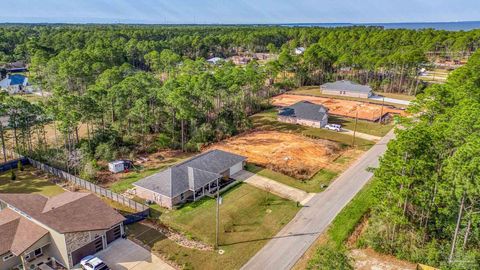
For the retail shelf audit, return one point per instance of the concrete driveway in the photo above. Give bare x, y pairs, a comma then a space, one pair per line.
274, 187
124, 254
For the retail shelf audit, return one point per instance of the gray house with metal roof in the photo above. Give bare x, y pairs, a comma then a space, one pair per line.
346, 88
190, 180
304, 113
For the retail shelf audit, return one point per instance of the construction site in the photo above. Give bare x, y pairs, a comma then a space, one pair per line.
287, 153
341, 107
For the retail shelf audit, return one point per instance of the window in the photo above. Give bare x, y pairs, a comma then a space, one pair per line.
182, 196
7, 257
38, 252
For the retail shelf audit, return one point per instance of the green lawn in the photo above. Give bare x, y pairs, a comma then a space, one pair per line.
30, 180
267, 120
366, 127
346, 221
249, 217
314, 185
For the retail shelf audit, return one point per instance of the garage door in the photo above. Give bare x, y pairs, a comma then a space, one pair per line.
89, 249
113, 234
236, 168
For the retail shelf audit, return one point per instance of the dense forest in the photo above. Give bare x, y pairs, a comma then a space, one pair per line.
428, 194
137, 89
140, 88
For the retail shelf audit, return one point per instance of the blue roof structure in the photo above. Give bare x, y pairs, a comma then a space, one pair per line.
17, 79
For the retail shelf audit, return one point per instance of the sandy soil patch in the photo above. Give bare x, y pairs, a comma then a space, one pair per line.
291, 154
347, 108
368, 259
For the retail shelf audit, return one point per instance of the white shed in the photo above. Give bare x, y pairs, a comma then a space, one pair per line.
119, 166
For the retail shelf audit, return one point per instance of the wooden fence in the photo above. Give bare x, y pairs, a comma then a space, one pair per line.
139, 207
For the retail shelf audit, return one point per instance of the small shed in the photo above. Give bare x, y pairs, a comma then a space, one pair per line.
118, 166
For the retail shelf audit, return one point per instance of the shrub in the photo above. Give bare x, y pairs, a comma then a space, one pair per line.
13, 176
20, 165
328, 257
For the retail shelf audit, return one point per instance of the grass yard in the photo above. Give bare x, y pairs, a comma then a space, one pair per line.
30, 180
313, 185
249, 218
366, 127
125, 182
267, 120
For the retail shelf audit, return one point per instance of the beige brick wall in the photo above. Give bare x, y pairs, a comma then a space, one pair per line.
302, 122
155, 197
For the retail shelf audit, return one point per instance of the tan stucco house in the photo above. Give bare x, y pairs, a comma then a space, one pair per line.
60, 230
192, 179
346, 88
304, 113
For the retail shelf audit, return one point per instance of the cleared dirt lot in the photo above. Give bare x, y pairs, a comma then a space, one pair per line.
347, 108
291, 154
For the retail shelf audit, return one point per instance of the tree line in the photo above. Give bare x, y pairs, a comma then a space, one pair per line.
428, 195
139, 88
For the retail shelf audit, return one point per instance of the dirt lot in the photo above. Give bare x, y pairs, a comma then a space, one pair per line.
347, 108
368, 259
287, 153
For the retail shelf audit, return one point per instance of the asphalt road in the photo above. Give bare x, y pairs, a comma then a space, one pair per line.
286, 248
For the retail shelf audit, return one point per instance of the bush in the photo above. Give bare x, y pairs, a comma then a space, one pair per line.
20, 165
13, 176
328, 257
105, 151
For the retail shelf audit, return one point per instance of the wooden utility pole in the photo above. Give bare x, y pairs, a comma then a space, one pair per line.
381, 111
217, 223
355, 128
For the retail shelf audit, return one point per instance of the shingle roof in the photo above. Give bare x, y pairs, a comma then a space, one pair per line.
204, 168
17, 233
347, 86
304, 110
67, 212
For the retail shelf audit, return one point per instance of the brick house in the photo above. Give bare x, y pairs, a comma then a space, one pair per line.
63, 229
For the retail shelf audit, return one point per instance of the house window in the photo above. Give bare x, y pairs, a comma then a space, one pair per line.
38, 252
7, 257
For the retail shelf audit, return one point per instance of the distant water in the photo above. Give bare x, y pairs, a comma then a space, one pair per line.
450, 26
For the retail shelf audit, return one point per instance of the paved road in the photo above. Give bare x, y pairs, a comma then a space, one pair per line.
361, 135
274, 187
284, 250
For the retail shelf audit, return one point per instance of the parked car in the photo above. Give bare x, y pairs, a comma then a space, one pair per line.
334, 127
93, 263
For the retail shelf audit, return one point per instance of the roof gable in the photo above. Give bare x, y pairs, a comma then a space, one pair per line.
67, 212
347, 86
17, 233
305, 110
205, 167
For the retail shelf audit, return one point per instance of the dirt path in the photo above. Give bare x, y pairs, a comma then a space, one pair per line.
274, 187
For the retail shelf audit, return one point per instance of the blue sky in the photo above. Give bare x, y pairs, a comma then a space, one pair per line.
238, 11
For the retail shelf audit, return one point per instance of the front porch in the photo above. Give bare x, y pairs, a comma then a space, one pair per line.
210, 189
40, 259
